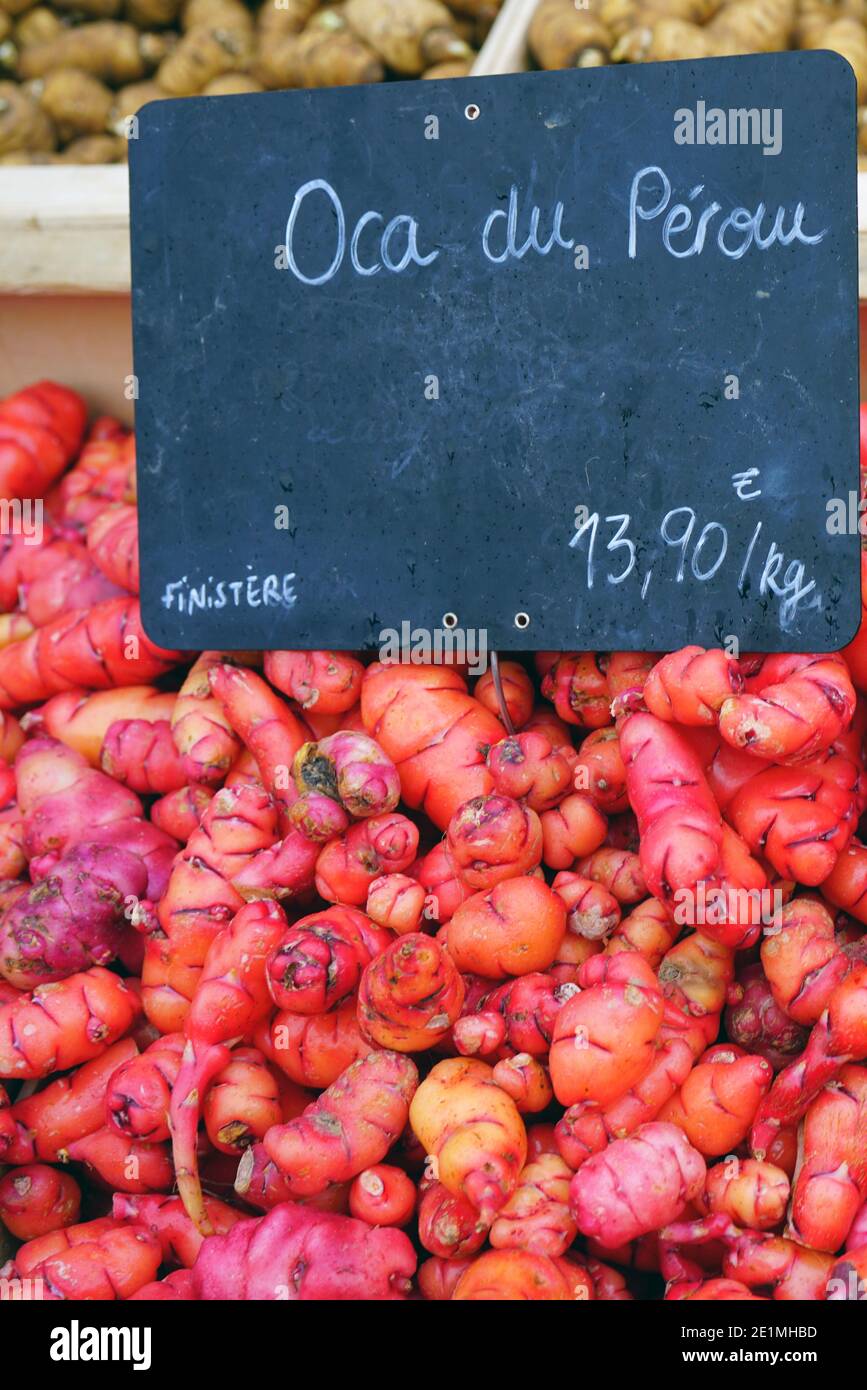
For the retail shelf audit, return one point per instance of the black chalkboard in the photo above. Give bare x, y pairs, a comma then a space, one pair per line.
417, 434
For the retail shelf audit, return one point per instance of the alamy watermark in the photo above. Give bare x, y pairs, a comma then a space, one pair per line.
15, 1290
449, 645
22, 516
714, 907
847, 516
847, 1286
77, 1343
741, 125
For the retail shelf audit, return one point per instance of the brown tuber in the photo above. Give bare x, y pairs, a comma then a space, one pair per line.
152, 14
23, 123
37, 26
203, 54
320, 57
113, 52
408, 35
78, 103
562, 36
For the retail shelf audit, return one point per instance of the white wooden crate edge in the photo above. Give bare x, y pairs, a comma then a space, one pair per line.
64, 231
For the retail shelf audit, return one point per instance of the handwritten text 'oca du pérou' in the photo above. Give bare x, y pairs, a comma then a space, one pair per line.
370, 243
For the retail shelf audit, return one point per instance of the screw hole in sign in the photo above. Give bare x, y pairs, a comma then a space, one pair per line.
450, 620
522, 621
472, 112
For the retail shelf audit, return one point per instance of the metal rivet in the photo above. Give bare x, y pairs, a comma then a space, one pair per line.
472, 112
522, 620
450, 620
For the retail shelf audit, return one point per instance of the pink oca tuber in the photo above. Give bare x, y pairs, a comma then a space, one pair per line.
320, 959
350, 1127
636, 1185
296, 1253
351, 769
71, 919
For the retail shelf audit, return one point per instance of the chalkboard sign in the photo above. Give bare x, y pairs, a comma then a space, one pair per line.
570, 358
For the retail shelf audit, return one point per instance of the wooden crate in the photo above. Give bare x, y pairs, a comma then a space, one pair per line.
64, 281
